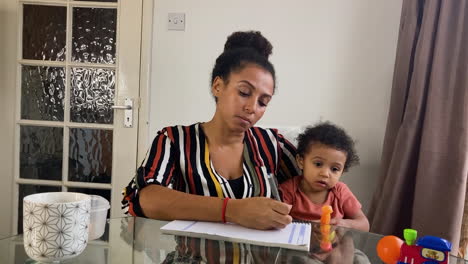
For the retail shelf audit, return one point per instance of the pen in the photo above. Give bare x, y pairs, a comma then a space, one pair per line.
274, 187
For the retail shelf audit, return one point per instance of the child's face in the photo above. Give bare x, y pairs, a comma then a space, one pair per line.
322, 166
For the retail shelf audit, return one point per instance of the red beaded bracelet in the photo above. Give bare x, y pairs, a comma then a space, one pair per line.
223, 212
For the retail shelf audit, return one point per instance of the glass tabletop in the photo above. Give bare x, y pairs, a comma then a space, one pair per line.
139, 240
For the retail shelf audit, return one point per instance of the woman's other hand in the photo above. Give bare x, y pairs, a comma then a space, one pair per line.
258, 213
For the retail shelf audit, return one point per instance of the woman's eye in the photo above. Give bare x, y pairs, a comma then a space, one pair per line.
243, 94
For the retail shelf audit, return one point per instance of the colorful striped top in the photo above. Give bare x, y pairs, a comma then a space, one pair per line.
180, 159
199, 250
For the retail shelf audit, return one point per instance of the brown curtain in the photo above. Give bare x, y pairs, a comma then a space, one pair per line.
464, 231
425, 154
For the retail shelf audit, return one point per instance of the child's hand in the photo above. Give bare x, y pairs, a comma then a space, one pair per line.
339, 250
358, 221
339, 222
343, 252
317, 236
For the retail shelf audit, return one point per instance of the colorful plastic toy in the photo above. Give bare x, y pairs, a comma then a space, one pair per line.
325, 243
426, 250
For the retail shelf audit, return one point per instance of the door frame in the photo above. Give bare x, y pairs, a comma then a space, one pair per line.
8, 51
8, 74
145, 79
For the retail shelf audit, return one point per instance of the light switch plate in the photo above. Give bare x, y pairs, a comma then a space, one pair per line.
176, 21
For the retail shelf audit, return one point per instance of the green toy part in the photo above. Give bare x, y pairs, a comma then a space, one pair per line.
410, 236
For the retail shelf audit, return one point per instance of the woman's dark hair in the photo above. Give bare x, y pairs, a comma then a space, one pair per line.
330, 135
243, 48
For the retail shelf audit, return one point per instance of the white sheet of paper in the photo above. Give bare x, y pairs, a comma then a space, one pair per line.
293, 236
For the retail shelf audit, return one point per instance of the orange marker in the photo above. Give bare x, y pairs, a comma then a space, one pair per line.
325, 243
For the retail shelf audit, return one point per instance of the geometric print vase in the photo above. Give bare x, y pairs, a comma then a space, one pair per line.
55, 225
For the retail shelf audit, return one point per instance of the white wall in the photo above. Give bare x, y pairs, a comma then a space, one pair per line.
334, 61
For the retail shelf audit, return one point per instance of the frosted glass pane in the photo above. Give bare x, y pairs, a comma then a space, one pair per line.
90, 158
92, 95
44, 32
25, 190
41, 151
42, 93
94, 35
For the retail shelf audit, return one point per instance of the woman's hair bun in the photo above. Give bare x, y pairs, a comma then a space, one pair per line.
249, 39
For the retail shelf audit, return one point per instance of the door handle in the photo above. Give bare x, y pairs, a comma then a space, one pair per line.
122, 107
128, 111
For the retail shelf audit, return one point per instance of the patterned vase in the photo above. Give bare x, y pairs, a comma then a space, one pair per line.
55, 225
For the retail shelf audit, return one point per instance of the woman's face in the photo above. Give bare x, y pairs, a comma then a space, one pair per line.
243, 99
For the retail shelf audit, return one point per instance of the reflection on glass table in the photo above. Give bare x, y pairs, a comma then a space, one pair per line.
139, 240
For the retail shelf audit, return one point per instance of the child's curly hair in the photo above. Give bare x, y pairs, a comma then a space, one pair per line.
330, 135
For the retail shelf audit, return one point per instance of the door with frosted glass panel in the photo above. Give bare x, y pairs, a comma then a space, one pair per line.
71, 72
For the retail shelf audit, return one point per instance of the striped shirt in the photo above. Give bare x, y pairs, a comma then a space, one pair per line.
180, 159
199, 250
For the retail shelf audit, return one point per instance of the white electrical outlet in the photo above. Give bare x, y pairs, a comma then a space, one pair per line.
176, 21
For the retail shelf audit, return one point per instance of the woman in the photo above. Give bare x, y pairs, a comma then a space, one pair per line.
192, 171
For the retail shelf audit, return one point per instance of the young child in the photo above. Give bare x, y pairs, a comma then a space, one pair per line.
324, 153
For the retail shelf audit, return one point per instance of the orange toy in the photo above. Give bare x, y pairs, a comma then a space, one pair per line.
388, 249
325, 243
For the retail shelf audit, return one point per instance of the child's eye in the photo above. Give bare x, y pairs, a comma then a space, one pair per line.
318, 164
335, 169
262, 104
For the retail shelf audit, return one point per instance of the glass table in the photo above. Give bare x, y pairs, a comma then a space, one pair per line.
139, 240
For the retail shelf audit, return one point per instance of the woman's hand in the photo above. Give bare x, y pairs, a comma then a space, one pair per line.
258, 213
